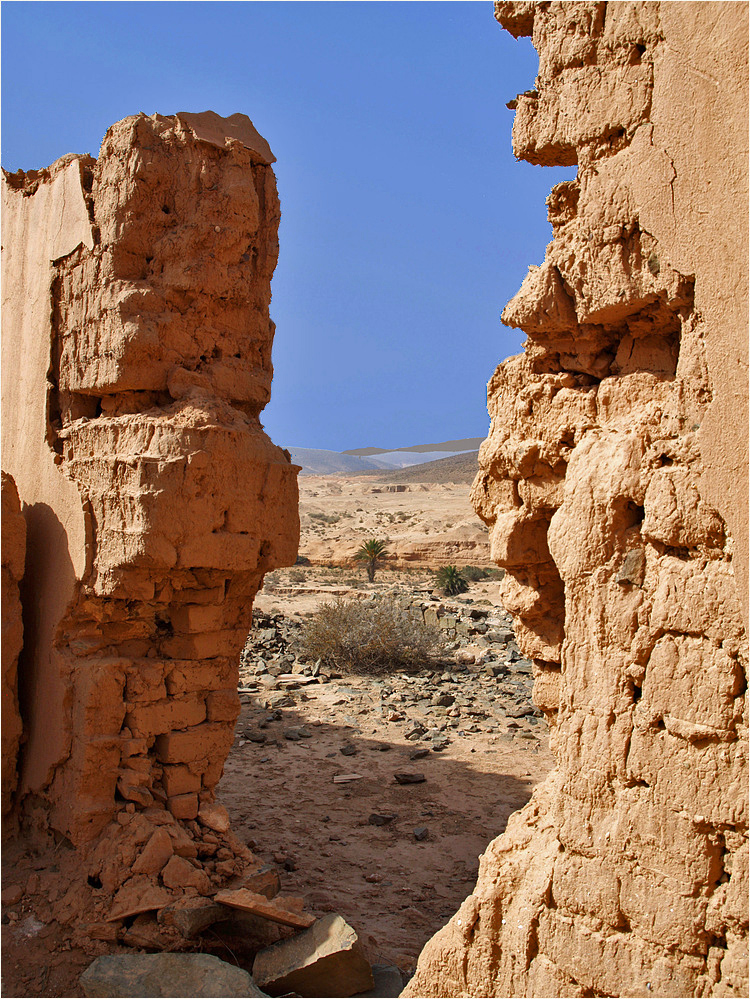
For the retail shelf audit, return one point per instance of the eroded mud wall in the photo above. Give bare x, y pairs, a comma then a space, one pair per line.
136, 361
614, 481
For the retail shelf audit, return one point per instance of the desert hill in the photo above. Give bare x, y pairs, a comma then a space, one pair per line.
465, 444
320, 461
459, 468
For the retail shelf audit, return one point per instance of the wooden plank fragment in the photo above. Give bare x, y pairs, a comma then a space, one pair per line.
249, 901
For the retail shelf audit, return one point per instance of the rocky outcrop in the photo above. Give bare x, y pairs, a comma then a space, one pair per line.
136, 362
13, 559
614, 482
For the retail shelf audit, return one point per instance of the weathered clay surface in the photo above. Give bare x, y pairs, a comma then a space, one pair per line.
136, 362
13, 559
614, 481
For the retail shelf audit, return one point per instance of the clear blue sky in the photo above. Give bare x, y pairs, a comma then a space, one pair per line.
406, 222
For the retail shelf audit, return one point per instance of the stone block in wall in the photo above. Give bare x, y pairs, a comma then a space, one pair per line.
178, 779
202, 743
222, 706
157, 717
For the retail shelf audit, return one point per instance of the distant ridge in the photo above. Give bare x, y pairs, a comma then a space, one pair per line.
316, 461
461, 468
466, 444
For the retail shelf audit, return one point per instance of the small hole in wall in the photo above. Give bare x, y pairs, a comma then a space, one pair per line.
163, 625
660, 725
635, 514
637, 693
94, 881
165, 209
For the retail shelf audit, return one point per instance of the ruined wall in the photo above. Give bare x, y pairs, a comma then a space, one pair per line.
13, 558
614, 481
136, 360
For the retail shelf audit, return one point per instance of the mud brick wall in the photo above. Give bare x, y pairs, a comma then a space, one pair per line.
614, 483
136, 361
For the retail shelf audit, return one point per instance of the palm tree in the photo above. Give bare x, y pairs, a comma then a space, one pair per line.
370, 552
450, 580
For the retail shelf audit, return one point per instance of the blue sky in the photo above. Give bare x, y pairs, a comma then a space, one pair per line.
406, 221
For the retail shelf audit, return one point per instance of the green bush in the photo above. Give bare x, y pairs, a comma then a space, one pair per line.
371, 636
450, 580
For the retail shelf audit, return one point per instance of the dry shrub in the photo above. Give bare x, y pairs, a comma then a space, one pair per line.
371, 636
473, 573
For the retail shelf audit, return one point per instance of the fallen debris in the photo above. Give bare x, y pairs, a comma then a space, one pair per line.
136, 896
388, 982
258, 905
326, 960
381, 818
138, 975
192, 915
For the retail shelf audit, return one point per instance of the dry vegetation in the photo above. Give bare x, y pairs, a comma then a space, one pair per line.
377, 636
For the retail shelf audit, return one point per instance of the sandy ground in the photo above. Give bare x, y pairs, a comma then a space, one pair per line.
395, 886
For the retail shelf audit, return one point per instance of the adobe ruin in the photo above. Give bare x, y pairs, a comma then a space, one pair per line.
614, 482
136, 362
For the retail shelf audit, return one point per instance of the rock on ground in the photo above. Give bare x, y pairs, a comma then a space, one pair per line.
326, 960
139, 975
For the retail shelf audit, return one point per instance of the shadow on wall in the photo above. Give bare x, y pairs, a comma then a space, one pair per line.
47, 588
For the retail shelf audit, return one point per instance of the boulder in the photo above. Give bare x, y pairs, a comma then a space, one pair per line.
326, 960
140, 975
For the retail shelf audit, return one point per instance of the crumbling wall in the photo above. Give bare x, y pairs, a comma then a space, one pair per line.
136, 361
13, 559
614, 481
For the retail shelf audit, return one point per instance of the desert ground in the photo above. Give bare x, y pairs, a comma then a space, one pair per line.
424, 523
395, 860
